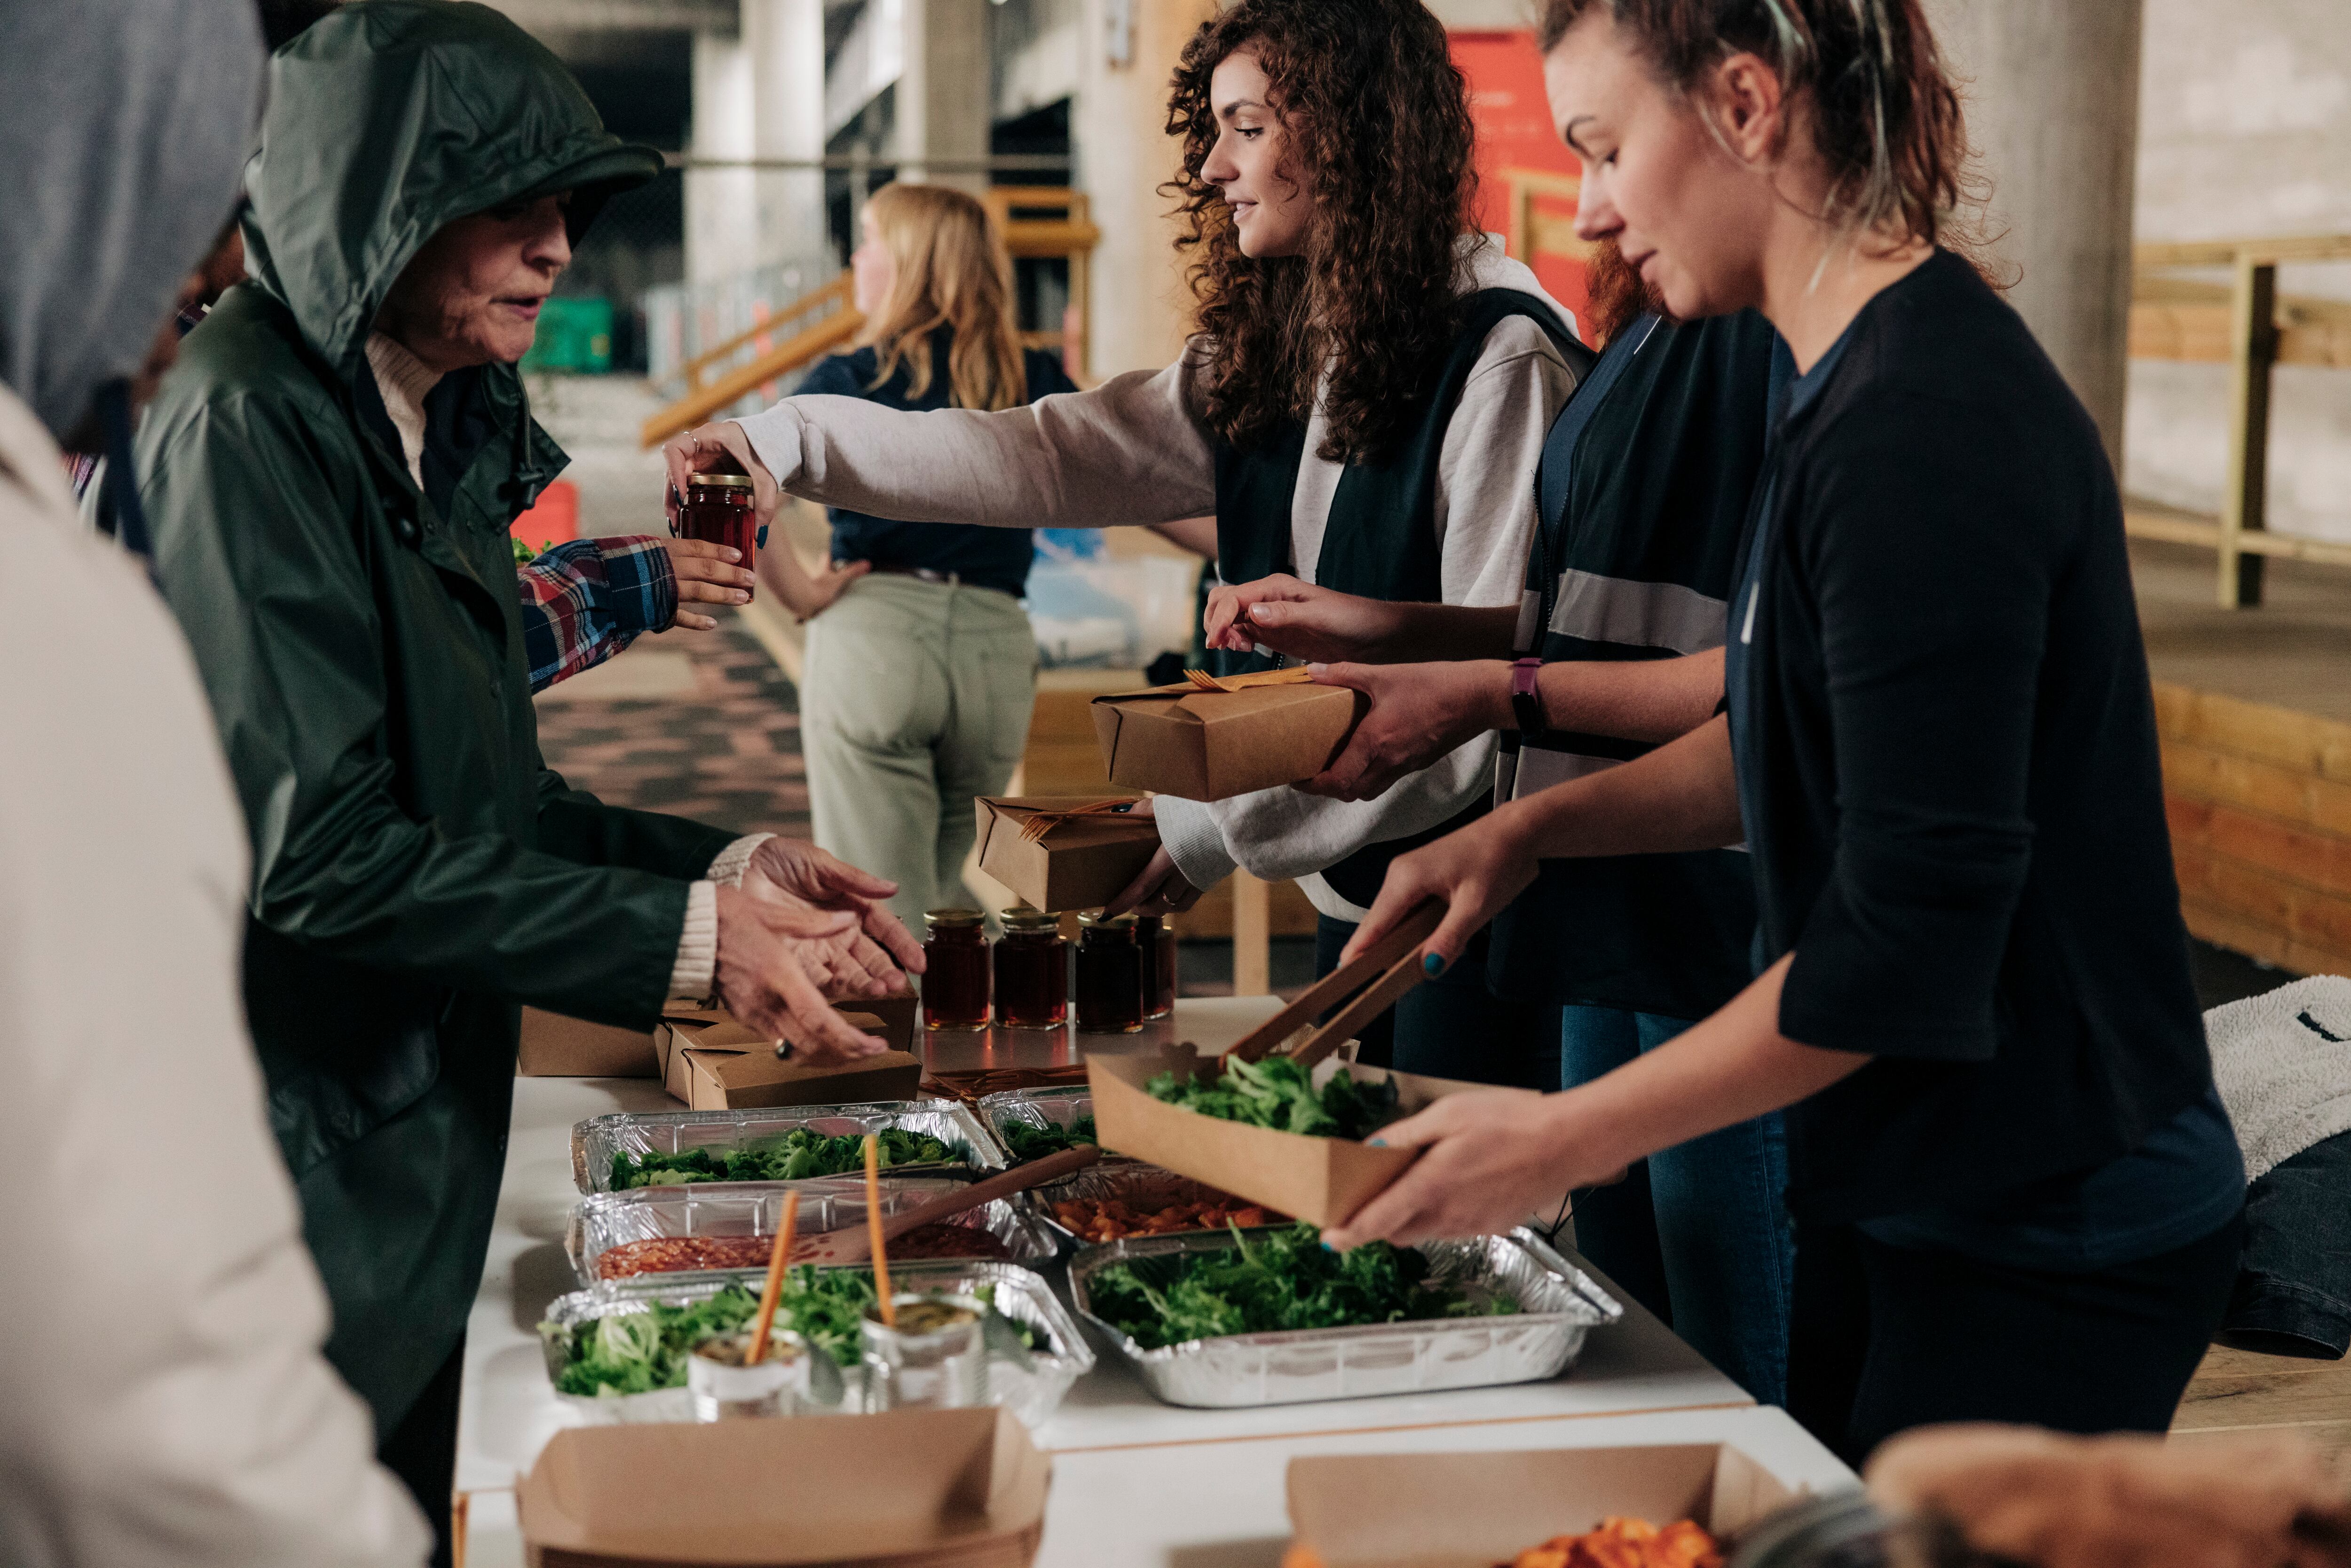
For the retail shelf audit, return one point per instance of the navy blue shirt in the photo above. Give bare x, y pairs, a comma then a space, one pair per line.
1945, 745
986, 558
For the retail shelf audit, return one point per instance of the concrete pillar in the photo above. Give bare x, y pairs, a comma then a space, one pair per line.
942, 100
722, 225
2051, 91
784, 40
1141, 307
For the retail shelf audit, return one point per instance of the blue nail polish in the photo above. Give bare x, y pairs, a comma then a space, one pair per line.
1434, 964
1379, 1143
1328, 1247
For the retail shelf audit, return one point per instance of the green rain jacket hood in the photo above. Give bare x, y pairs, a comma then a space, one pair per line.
417, 871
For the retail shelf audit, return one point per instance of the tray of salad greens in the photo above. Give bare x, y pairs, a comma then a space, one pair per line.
739, 1219
1030, 1124
616, 1353
799, 1143
1220, 1322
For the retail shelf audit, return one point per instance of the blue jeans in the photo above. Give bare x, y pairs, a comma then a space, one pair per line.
1697, 1233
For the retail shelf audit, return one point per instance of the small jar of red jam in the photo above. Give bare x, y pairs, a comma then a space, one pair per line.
1157, 940
1032, 971
954, 971
717, 506
1110, 975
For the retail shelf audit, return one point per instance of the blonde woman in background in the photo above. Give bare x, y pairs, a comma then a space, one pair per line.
922, 669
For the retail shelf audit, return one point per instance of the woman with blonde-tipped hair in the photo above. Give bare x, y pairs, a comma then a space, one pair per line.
922, 669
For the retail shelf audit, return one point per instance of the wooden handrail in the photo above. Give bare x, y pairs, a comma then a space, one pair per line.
2250, 329
837, 291
783, 359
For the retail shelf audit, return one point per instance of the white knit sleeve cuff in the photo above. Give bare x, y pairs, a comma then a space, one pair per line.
696, 971
775, 433
732, 861
1189, 833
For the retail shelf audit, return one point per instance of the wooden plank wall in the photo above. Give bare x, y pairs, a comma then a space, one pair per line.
1063, 758
2259, 802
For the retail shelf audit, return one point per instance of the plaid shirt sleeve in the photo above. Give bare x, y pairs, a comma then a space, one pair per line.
584, 602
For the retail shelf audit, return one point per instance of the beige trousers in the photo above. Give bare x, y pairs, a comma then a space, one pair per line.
916, 699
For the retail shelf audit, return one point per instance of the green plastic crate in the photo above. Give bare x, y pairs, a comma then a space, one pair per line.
575, 334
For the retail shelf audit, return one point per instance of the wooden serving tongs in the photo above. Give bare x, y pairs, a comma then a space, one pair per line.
1392, 965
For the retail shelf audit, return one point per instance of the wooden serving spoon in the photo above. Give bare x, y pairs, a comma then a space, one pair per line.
855, 1244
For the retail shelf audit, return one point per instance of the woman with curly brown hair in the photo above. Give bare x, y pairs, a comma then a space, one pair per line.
1363, 404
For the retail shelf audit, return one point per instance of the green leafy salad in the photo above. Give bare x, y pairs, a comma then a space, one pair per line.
1286, 1280
639, 1352
1277, 1092
798, 1156
1029, 1140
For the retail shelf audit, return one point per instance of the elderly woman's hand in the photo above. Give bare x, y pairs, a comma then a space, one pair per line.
720, 445
799, 876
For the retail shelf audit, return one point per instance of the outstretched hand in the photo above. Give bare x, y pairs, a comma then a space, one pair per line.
706, 573
1294, 617
865, 957
1418, 713
720, 446
773, 959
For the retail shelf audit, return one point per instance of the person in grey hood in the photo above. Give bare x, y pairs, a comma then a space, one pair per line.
332, 474
166, 1402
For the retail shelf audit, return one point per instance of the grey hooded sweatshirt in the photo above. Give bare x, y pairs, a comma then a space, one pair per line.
163, 1399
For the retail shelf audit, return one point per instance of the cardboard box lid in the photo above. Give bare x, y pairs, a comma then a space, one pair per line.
1084, 862
1474, 1510
944, 1484
1323, 1180
1211, 746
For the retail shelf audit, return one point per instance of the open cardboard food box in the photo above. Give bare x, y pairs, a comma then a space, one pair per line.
913, 1489
712, 1063
1082, 862
1323, 1180
1211, 745
1476, 1510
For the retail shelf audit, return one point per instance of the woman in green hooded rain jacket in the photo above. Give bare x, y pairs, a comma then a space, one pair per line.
419, 873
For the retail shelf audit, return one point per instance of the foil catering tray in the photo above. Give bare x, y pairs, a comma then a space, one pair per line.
1033, 1392
1144, 1188
1057, 1105
1558, 1304
603, 1220
636, 1134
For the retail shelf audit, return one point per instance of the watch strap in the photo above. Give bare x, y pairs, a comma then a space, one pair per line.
1526, 697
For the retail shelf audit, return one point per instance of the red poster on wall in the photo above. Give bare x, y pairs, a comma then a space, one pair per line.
1526, 179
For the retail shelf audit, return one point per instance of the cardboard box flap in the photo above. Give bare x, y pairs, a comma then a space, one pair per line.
1473, 1509
1323, 1180
1083, 861
772, 1493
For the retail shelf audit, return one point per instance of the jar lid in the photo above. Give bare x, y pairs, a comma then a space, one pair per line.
724, 479
952, 919
1095, 918
1024, 918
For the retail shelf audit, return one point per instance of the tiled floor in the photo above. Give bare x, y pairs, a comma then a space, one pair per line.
725, 751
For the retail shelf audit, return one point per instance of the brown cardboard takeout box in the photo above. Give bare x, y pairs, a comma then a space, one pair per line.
712, 1063
1210, 746
942, 1489
556, 1046
1323, 1180
1474, 1510
1082, 862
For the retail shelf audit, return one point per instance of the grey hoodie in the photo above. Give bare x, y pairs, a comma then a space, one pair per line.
122, 127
